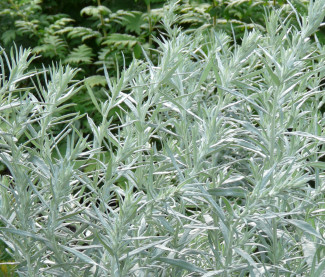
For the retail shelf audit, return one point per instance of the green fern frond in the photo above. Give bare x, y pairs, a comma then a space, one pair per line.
59, 24
123, 40
80, 54
121, 16
194, 18
65, 30
24, 8
79, 32
132, 21
96, 80
95, 11
8, 36
194, 14
27, 27
107, 57
104, 54
157, 13
52, 46
234, 3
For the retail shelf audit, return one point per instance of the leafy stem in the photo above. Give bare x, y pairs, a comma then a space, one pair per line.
102, 20
150, 23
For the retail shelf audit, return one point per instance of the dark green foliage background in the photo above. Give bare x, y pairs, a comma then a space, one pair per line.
90, 33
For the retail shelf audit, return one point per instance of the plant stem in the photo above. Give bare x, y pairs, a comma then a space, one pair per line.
215, 16
150, 26
102, 19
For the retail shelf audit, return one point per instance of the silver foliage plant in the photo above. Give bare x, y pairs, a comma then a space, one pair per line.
214, 167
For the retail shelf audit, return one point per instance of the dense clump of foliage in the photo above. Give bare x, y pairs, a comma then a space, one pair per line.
206, 157
89, 34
